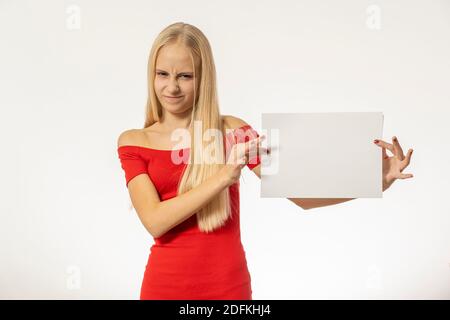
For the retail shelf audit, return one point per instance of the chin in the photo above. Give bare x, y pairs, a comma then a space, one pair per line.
173, 108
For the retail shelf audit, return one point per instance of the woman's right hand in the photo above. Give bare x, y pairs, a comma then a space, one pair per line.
238, 158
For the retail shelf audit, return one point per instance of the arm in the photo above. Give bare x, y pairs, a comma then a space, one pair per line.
309, 203
157, 216
160, 216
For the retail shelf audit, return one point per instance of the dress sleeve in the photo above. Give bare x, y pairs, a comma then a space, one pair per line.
132, 163
244, 134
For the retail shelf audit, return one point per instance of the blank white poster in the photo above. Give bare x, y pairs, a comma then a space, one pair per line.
322, 155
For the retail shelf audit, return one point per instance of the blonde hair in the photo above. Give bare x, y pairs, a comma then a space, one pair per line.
205, 109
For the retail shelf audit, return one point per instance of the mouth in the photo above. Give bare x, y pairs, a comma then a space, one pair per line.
173, 98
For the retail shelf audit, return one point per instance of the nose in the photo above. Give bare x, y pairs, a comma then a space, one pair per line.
173, 87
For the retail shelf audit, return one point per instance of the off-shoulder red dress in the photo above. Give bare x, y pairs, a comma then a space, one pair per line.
185, 263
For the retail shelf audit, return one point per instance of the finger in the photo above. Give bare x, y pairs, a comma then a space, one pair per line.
259, 150
240, 151
255, 140
243, 162
384, 154
385, 145
243, 147
407, 159
405, 175
251, 144
397, 148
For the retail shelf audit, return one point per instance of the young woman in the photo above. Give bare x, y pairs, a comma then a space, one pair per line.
186, 196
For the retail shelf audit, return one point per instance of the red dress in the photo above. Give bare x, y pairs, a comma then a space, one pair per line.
185, 263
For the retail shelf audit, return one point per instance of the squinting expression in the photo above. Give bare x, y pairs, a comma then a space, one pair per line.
174, 78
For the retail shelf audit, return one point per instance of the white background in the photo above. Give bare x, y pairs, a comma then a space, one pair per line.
66, 94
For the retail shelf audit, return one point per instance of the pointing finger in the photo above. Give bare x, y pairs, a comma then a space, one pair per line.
384, 144
254, 142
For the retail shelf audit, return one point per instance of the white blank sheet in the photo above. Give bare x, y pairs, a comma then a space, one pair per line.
322, 155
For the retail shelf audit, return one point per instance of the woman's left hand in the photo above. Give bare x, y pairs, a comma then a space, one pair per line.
394, 166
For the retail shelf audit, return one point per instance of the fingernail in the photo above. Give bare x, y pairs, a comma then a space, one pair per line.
376, 141
395, 138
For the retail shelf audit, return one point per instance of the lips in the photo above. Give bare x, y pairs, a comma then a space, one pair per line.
173, 99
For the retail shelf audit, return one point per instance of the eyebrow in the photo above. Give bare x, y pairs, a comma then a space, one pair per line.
186, 72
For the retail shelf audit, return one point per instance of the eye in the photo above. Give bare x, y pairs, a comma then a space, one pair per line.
159, 73
186, 76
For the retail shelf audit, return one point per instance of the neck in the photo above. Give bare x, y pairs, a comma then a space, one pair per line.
171, 121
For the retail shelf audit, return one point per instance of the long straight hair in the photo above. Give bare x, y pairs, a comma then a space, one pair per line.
205, 109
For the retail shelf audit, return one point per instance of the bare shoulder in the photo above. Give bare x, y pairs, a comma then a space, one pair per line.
130, 137
232, 122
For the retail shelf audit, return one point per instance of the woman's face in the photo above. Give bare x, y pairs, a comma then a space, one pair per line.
174, 78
